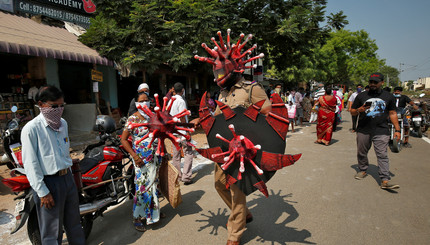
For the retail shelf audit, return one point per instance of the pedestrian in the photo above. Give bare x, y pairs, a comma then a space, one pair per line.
338, 112
350, 102
143, 87
45, 154
291, 114
307, 107
146, 207
178, 106
298, 98
401, 102
326, 117
374, 107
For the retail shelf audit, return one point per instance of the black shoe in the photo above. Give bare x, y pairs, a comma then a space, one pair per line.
407, 145
188, 182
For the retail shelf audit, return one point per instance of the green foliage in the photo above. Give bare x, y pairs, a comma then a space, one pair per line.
145, 34
347, 57
391, 75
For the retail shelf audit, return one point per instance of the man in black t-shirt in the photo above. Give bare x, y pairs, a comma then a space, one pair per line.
374, 107
401, 102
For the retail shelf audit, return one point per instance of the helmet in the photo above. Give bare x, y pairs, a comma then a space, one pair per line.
104, 124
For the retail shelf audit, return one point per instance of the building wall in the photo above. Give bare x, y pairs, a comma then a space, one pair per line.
422, 82
108, 88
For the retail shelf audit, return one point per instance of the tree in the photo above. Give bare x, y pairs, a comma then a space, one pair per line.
337, 21
143, 34
391, 75
347, 57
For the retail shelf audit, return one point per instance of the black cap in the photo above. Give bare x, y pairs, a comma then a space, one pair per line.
378, 77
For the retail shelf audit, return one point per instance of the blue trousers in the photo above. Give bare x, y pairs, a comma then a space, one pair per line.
64, 213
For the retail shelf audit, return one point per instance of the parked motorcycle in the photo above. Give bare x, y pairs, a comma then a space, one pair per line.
396, 144
101, 178
420, 118
12, 143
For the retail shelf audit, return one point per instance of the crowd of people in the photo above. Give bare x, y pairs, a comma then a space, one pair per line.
55, 194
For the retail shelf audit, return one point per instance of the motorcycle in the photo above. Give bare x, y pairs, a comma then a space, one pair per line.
420, 118
101, 178
12, 143
396, 144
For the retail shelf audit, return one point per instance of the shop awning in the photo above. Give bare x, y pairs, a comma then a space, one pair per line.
19, 35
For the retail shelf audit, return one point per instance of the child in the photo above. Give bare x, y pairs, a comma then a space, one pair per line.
291, 113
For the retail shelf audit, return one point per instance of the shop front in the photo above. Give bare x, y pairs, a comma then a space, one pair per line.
33, 54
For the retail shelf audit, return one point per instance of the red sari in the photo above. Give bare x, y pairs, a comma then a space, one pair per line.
326, 118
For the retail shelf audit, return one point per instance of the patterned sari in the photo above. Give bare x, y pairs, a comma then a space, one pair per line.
326, 118
145, 205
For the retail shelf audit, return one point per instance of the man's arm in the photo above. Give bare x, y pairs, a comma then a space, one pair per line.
395, 122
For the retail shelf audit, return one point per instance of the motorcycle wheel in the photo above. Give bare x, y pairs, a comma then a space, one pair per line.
87, 224
396, 146
419, 132
33, 231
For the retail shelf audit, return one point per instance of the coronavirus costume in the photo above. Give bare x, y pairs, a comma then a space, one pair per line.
246, 145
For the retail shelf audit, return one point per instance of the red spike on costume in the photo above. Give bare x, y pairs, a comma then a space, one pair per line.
143, 137
261, 186
228, 38
253, 110
279, 124
210, 51
221, 41
231, 127
165, 99
273, 161
259, 171
220, 54
226, 110
169, 107
207, 122
216, 44
249, 37
204, 59
157, 102
222, 138
183, 113
253, 58
240, 39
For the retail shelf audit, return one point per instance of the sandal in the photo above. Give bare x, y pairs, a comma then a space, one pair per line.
138, 225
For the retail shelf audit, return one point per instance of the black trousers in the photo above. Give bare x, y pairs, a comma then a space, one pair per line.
64, 213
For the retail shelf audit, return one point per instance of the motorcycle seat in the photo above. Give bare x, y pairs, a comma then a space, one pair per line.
87, 164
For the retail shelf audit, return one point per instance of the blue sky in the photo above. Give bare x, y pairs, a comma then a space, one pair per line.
401, 29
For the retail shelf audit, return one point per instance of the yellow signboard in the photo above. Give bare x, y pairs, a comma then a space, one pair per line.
96, 75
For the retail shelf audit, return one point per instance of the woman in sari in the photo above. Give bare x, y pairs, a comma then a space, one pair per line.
326, 117
146, 206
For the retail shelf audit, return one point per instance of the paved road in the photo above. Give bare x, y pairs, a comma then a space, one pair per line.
315, 201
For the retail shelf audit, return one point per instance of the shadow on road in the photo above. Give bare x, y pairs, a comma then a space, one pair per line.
373, 171
271, 217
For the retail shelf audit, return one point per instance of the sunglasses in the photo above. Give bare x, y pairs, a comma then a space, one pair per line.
55, 105
373, 82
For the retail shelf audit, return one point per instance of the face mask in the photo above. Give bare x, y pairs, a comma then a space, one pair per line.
278, 90
359, 90
52, 116
142, 104
397, 95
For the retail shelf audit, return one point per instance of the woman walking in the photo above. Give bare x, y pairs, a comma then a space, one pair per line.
326, 117
146, 206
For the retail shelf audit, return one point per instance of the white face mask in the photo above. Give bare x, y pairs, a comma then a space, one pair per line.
142, 104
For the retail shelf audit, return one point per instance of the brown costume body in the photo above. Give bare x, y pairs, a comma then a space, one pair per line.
243, 93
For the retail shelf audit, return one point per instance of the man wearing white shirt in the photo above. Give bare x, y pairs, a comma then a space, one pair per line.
178, 106
350, 102
45, 154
